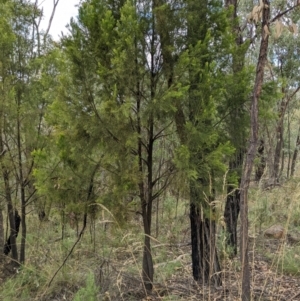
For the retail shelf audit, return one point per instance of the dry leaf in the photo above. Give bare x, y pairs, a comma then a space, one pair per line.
249, 18
278, 28
295, 28
256, 13
266, 30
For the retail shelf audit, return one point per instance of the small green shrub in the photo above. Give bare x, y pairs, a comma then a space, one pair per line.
89, 292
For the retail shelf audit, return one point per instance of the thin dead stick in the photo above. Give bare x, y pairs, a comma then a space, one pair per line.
284, 12
52, 16
293, 298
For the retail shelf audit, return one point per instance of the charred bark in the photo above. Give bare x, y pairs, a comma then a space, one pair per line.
232, 206
9, 242
206, 265
1, 233
11, 217
231, 214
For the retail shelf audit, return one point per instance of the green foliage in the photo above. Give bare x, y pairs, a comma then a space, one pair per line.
225, 250
89, 292
27, 282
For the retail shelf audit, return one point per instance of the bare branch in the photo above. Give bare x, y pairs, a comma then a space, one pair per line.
284, 12
55, 3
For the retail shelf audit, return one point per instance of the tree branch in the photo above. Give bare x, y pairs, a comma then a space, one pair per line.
51, 17
284, 12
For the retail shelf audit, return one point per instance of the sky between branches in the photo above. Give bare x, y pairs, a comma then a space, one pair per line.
64, 11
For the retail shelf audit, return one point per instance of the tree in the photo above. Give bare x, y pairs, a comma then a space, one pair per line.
237, 124
23, 108
110, 110
200, 127
6, 97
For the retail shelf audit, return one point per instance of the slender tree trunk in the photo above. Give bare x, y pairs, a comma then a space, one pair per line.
11, 217
289, 146
1, 234
231, 213
261, 165
246, 175
22, 190
9, 204
148, 270
145, 194
279, 143
295, 154
232, 206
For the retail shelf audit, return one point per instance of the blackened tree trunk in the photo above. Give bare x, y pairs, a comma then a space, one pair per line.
1, 234
9, 203
11, 217
232, 206
8, 244
148, 270
206, 266
231, 214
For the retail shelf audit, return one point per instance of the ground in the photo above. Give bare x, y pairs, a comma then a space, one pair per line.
111, 254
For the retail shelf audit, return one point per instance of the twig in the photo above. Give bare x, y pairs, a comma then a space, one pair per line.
283, 13
293, 298
55, 3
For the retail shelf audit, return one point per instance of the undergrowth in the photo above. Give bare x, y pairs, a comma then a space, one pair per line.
106, 264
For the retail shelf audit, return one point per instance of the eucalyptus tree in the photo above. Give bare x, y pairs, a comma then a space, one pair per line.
284, 57
265, 15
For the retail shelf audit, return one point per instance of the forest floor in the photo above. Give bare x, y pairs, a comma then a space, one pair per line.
112, 255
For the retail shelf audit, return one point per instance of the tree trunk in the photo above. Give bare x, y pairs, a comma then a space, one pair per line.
260, 167
289, 147
1, 234
295, 154
246, 175
205, 262
11, 218
145, 191
232, 206
279, 143
148, 270
231, 214
20, 179
9, 204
